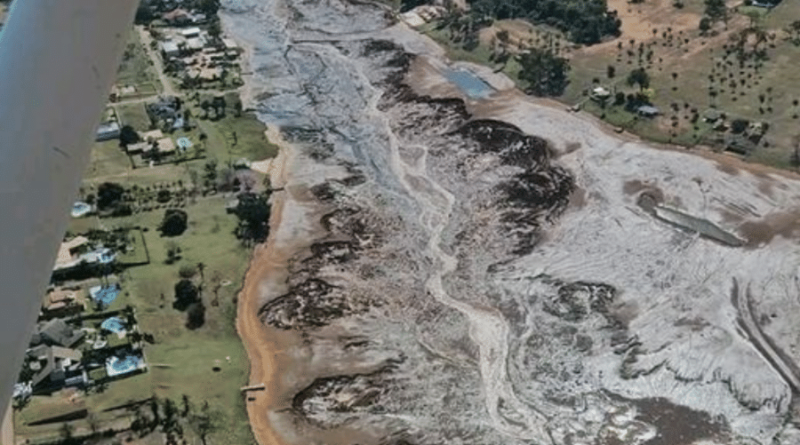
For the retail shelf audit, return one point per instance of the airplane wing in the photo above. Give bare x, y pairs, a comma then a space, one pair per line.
58, 59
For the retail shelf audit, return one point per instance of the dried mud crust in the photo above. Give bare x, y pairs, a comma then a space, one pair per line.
501, 191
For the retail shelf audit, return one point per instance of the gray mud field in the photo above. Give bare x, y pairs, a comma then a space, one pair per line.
479, 271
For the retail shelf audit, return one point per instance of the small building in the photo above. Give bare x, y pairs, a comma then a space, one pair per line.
648, 111
230, 45
137, 148
190, 33
107, 131
711, 115
170, 49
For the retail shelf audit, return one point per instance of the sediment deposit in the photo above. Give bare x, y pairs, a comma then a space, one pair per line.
484, 271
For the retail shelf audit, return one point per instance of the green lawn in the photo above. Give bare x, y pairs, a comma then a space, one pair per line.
191, 353
134, 115
136, 68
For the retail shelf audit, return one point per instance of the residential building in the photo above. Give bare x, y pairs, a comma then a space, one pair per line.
648, 111
56, 367
56, 332
169, 49
190, 33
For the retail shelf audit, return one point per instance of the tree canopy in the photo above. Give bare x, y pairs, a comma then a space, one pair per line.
109, 195
174, 222
639, 77
253, 211
186, 294
584, 21
545, 73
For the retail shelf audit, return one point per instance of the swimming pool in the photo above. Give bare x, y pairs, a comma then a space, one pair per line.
104, 295
118, 366
113, 324
80, 208
466, 81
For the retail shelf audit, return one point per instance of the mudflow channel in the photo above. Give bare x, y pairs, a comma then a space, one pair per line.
478, 271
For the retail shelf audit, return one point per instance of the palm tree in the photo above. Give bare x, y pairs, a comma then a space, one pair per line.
200, 268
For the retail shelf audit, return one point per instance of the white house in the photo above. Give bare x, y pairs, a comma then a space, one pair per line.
169, 49
189, 33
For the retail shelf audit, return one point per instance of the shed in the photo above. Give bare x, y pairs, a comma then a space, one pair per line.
648, 111
230, 45
170, 49
191, 32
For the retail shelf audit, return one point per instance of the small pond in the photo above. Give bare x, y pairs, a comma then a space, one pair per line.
466, 81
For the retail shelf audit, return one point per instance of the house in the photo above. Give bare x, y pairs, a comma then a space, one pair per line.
190, 33
648, 111
165, 108
178, 17
108, 130
195, 44
138, 148
56, 367
68, 252
59, 303
56, 332
76, 252
170, 49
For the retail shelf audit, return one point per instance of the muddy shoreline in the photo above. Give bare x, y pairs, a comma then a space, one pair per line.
430, 277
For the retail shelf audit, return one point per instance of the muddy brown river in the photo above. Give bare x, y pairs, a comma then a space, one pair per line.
452, 268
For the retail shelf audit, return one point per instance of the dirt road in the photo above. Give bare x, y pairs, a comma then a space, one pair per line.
7, 427
267, 261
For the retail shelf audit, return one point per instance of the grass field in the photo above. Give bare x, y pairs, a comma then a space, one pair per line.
136, 69
134, 115
689, 72
191, 353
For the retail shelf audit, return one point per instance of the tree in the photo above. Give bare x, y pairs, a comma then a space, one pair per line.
716, 10
205, 105
619, 98
66, 431
187, 117
739, 126
195, 315
705, 25
206, 422
545, 73
253, 212
163, 196
127, 136
209, 7
186, 406
109, 194
237, 108
219, 106
201, 267
611, 71
173, 252
174, 222
640, 77
210, 175
186, 294
215, 29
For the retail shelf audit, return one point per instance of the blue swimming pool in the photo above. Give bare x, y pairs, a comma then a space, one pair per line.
122, 365
472, 85
113, 324
80, 209
105, 295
